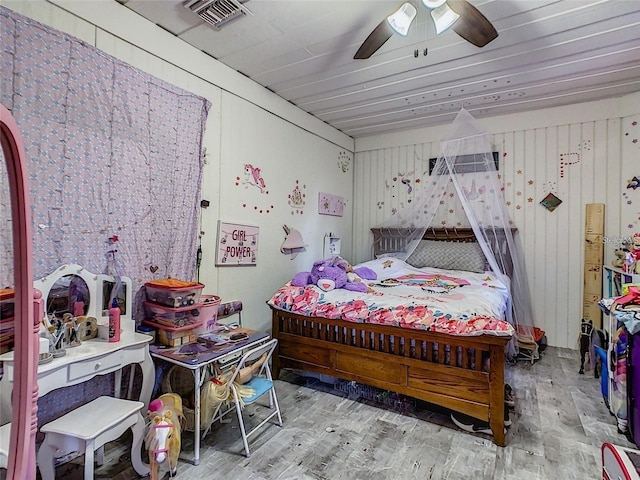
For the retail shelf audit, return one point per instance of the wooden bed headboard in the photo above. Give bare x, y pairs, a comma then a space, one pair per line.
390, 240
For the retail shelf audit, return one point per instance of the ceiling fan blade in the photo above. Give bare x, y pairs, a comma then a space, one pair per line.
375, 40
472, 25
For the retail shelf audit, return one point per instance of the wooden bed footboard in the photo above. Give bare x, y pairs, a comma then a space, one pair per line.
464, 374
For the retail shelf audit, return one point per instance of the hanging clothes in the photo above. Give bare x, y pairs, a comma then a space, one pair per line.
619, 393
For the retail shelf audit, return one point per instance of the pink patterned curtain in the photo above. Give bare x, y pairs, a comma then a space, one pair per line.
111, 150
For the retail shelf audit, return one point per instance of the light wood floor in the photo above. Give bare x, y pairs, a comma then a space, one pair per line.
560, 422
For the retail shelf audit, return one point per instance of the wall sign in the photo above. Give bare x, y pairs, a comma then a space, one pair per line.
330, 204
237, 244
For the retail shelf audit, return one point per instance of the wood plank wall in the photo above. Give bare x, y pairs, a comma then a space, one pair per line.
589, 162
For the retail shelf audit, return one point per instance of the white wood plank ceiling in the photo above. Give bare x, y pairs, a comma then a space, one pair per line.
548, 53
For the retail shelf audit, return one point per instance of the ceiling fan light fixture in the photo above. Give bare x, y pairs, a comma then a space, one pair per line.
400, 21
443, 17
431, 4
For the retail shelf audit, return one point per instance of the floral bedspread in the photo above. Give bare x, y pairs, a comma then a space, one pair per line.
447, 301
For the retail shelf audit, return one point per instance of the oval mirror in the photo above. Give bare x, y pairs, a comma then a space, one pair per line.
69, 294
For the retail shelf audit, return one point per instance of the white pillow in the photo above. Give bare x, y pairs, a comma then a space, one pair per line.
465, 256
400, 255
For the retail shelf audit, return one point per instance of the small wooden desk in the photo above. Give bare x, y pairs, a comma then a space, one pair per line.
198, 362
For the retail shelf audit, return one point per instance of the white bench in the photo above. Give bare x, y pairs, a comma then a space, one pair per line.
89, 427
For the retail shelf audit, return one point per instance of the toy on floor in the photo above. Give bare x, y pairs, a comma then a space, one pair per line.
586, 328
335, 273
163, 435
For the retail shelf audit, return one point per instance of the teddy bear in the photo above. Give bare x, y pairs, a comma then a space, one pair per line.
329, 274
621, 257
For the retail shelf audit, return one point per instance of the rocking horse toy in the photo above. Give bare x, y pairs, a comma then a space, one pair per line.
163, 434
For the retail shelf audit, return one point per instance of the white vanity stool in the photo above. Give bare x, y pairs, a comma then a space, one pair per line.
89, 427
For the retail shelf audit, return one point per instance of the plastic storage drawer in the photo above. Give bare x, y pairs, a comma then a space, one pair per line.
173, 293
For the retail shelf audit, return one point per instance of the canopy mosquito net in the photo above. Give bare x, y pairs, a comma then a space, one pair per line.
466, 163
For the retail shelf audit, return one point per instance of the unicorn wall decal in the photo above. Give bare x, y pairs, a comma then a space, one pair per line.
253, 176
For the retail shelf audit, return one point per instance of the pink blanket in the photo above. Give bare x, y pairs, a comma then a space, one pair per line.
454, 302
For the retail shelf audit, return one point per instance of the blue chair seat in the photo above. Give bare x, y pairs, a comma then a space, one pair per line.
261, 385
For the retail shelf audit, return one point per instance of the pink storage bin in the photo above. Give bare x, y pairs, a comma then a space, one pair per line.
172, 317
208, 307
173, 293
158, 326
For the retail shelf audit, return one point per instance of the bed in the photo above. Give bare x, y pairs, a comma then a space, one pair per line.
464, 373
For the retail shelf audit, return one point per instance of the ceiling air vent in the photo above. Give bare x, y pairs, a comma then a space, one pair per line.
217, 12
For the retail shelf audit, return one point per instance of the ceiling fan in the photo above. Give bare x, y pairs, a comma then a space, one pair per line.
465, 19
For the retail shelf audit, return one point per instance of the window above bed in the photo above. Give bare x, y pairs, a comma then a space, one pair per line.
472, 163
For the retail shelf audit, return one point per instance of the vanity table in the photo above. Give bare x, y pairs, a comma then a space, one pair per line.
97, 356
81, 363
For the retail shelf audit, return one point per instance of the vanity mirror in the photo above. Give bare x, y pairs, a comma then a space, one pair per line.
73, 289
107, 289
69, 294
20, 454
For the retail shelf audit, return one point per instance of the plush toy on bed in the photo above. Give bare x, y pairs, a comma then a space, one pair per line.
334, 273
354, 274
633, 257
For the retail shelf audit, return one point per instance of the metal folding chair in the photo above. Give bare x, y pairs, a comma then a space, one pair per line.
261, 384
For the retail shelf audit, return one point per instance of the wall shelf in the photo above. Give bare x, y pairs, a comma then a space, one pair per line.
613, 279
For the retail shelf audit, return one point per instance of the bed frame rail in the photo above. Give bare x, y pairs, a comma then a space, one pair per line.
464, 374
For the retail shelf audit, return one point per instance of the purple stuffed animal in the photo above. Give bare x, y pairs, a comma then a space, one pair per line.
329, 274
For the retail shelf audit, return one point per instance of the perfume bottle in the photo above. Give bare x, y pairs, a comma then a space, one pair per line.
114, 321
